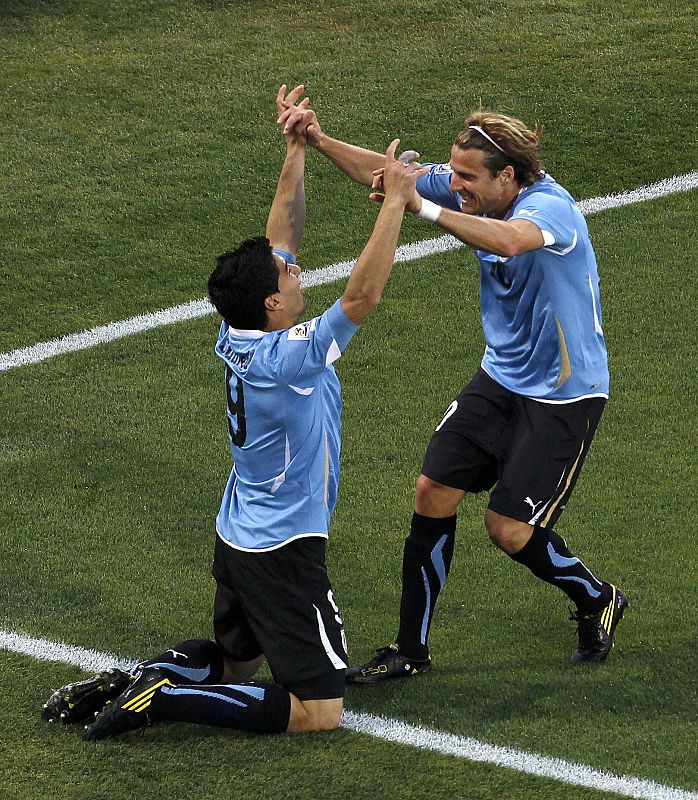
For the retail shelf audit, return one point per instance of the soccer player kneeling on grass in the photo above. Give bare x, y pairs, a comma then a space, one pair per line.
273, 600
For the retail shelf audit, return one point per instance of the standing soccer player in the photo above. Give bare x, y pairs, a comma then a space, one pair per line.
524, 423
273, 600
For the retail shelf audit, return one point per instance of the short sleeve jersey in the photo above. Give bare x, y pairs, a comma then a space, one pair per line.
541, 310
284, 410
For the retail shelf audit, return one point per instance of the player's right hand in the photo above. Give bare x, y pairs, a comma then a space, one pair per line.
295, 118
397, 179
295, 134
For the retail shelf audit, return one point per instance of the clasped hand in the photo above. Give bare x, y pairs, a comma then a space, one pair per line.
398, 178
298, 122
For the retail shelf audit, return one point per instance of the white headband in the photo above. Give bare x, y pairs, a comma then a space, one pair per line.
486, 135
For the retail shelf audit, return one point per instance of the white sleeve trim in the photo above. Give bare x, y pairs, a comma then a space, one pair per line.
548, 238
333, 353
565, 250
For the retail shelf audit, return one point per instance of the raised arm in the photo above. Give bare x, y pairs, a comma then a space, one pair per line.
367, 281
356, 162
286, 221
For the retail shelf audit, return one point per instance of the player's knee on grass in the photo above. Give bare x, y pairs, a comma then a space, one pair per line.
315, 715
317, 702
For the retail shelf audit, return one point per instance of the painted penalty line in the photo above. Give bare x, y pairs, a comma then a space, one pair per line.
392, 730
33, 354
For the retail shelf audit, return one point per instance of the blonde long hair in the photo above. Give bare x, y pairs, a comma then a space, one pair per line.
504, 140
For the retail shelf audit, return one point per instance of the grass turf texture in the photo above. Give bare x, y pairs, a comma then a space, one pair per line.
140, 136
144, 146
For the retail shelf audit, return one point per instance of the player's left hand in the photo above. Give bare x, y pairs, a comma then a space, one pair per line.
298, 118
294, 131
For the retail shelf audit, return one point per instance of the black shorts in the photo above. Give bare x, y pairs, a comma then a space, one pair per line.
279, 604
533, 451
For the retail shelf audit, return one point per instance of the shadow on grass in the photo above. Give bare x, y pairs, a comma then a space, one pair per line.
25, 10
637, 682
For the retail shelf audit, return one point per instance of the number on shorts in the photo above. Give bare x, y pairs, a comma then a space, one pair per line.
334, 605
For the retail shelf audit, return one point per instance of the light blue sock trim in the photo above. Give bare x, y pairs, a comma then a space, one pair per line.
560, 561
252, 691
425, 621
179, 690
190, 673
437, 559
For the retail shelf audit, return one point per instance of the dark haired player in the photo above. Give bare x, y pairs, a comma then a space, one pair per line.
274, 599
525, 422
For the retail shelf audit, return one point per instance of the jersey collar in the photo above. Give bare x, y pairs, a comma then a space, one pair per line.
241, 333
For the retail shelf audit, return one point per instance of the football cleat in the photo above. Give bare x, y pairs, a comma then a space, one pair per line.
78, 701
128, 711
595, 631
387, 663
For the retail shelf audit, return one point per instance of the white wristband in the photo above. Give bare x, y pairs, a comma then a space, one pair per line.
429, 211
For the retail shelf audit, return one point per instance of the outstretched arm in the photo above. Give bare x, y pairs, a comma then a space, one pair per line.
368, 278
356, 162
503, 238
286, 221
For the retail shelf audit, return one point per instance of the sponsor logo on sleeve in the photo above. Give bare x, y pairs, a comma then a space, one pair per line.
299, 332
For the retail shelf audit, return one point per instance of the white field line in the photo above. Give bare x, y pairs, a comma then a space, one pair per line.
392, 730
33, 354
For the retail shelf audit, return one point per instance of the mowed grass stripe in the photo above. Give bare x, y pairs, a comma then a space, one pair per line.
393, 730
103, 334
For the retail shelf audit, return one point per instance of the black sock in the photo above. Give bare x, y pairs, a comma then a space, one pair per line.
547, 556
425, 564
193, 661
254, 707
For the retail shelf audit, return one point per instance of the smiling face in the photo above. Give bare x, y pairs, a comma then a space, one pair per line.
286, 306
480, 191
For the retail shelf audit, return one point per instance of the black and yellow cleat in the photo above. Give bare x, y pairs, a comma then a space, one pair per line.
596, 631
80, 700
128, 711
387, 663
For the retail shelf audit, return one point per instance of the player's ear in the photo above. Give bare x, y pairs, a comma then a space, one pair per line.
507, 175
273, 302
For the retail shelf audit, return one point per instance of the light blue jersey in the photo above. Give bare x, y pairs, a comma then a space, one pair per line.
284, 411
541, 310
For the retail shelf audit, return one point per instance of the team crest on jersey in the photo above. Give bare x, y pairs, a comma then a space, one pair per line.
299, 332
441, 169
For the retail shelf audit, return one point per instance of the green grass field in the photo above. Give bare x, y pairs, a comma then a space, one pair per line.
139, 142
